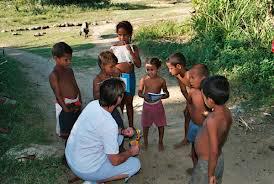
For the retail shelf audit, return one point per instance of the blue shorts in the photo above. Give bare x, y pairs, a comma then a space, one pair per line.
193, 130
132, 83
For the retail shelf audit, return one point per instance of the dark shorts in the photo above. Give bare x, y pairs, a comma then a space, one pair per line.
117, 117
67, 120
200, 172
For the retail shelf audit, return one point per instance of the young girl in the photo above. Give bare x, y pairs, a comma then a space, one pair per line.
128, 57
150, 88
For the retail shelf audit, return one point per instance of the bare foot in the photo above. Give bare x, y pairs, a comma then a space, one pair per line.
161, 147
181, 144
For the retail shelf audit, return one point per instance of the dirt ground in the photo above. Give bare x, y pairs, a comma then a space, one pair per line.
248, 158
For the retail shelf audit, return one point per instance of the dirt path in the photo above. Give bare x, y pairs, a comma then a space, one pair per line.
248, 158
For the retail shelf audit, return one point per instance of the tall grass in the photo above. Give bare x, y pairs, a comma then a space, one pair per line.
245, 19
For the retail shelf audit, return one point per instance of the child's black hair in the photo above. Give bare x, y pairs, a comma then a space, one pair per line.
106, 57
110, 90
202, 69
126, 25
60, 49
154, 61
177, 58
216, 88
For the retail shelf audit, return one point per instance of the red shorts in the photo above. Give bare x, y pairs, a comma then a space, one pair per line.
153, 113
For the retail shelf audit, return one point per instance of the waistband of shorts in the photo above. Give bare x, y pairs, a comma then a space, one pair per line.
152, 103
71, 101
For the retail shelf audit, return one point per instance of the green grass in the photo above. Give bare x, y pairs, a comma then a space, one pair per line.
46, 171
25, 122
249, 67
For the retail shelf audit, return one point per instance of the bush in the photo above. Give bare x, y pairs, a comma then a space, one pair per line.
232, 37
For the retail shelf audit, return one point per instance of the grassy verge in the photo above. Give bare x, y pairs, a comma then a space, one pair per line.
249, 66
25, 124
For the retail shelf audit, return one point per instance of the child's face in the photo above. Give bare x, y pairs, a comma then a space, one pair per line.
64, 60
173, 70
109, 68
123, 35
195, 78
151, 70
208, 101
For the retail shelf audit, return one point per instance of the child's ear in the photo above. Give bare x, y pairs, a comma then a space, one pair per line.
179, 66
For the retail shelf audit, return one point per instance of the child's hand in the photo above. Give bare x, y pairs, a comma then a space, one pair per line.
66, 109
134, 150
129, 48
128, 132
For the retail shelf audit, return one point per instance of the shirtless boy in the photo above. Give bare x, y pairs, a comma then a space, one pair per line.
213, 135
176, 64
195, 104
65, 88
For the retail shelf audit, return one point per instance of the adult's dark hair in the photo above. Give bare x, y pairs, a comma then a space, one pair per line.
106, 57
216, 88
202, 69
110, 90
154, 61
126, 25
177, 58
60, 49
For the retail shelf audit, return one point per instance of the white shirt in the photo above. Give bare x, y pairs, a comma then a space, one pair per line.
93, 136
122, 53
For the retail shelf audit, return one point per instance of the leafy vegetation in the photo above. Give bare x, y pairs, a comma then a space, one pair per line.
231, 37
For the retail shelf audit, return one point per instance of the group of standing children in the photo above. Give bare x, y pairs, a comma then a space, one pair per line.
207, 120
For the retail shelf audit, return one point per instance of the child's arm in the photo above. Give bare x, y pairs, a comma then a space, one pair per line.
141, 89
96, 88
213, 147
55, 87
164, 87
183, 89
135, 55
77, 88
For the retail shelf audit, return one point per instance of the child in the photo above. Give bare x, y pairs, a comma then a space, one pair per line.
107, 62
153, 111
65, 88
195, 104
128, 57
176, 64
213, 135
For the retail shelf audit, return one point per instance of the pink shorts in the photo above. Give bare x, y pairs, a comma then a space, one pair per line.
153, 113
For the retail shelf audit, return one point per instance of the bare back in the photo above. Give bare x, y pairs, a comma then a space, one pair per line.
214, 133
196, 106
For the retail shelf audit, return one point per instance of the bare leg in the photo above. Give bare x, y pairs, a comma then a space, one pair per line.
161, 136
145, 131
184, 141
129, 106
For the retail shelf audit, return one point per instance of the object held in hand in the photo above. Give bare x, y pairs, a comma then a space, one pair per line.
134, 140
155, 96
